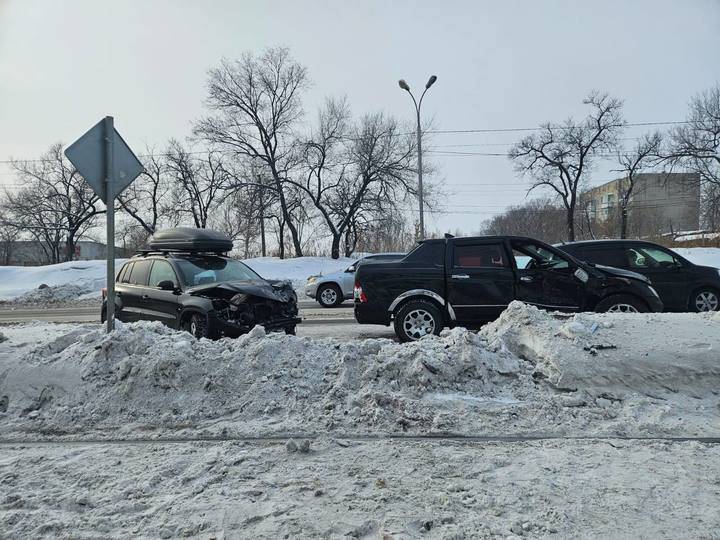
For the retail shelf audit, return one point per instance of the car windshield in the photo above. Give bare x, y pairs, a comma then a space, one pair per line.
204, 270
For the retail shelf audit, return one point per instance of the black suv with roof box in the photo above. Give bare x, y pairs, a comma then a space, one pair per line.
185, 281
682, 285
468, 281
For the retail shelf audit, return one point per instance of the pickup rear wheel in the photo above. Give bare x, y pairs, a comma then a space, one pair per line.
416, 319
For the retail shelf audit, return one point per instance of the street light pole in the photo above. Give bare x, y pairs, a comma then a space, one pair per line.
418, 104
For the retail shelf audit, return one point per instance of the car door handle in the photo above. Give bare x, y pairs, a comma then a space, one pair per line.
145, 296
527, 279
460, 276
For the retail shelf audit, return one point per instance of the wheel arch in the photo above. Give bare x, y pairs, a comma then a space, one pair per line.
615, 293
417, 294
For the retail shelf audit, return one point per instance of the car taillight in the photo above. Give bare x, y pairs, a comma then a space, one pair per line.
358, 294
103, 291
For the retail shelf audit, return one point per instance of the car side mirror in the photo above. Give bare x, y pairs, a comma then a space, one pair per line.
166, 285
350, 269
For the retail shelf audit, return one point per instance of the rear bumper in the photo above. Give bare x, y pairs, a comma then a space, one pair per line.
368, 314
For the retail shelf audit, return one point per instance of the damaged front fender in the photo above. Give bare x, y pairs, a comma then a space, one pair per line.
238, 306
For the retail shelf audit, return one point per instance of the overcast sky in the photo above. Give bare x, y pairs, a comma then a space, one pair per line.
500, 64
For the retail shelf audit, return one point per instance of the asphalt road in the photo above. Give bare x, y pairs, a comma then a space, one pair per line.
317, 321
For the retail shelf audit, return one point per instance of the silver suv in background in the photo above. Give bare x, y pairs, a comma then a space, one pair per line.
331, 290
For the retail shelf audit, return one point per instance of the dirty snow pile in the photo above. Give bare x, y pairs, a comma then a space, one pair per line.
529, 372
56, 294
146, 375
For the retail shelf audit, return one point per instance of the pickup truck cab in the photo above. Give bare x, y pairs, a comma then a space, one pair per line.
469, 281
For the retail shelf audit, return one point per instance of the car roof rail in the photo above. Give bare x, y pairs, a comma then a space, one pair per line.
165, 252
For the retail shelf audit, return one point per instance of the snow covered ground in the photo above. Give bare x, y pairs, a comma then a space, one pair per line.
304, 437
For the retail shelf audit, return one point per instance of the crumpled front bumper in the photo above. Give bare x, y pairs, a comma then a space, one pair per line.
222, 328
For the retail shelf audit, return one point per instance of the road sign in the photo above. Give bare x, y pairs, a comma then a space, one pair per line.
88, 156
106, 162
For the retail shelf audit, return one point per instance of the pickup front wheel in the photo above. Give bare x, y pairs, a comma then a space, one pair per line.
416, 319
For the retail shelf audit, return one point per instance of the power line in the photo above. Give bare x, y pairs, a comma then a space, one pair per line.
513, 130
437, 131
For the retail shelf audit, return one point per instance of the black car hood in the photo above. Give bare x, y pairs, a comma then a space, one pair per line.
271, 290
619, 272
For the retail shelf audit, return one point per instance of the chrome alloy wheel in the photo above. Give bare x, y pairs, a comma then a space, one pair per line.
328, 296
706, 301
622, 308
418, 323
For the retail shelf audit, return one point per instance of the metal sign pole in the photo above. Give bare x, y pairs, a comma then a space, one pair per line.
110, 204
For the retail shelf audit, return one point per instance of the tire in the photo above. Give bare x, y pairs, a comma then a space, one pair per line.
705, 299
329, 295
621, 303
197, 325
416, 319
290, 330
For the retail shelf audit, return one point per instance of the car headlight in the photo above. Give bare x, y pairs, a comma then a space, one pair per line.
652, 290
311, 280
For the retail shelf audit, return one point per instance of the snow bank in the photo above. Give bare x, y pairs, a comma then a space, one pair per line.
147, 374
614, 353
79, 277
529, 372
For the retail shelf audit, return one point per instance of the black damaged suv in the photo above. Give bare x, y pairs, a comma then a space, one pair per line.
468, 281
186, 282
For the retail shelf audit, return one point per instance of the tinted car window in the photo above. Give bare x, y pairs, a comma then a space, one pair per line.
162, 271
479, 256
124, 273
431, 252
650, 257
139, 273
607, 256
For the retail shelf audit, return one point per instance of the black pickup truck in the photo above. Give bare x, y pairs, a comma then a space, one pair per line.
469, 281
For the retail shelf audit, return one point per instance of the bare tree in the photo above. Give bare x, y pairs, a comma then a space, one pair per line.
539, 218
256, 101
695, 145
633, 162
559, 156
353, 173
55, 203
200, 182
146, 199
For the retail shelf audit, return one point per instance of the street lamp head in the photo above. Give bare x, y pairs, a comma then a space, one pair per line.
404, 85
431, 81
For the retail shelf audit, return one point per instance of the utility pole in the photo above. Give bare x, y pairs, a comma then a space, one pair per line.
418, 104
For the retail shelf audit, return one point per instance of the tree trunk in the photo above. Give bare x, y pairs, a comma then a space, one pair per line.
281, 239
623, 222
335, 248
262, 235
70, 249
571, 224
